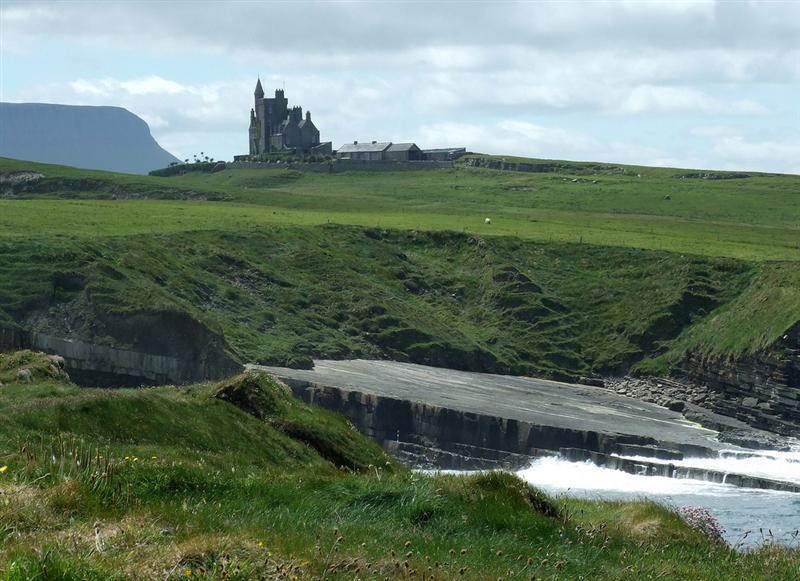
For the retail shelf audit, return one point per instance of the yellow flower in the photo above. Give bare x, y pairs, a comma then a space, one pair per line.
260, 543
3, 469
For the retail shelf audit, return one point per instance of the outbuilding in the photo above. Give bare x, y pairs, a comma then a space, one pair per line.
444, 154
404, 152
375, 151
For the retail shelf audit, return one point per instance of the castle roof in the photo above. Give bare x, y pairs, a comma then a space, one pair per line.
259, 90
355, 147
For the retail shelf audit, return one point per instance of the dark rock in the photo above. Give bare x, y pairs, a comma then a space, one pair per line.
675, 405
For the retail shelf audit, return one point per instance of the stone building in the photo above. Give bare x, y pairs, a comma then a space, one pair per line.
275, 127
388, 151
404, 152
375, 151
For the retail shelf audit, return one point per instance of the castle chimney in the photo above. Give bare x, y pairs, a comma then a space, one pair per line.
374, 142
308, 115
355, 143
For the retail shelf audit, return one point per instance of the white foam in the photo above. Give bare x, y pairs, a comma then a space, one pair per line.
557, 475
783, 466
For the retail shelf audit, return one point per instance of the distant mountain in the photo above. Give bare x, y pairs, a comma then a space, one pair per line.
109, 138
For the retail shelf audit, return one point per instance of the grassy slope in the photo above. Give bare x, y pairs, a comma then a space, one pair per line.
281, 294
169, 483
755, 218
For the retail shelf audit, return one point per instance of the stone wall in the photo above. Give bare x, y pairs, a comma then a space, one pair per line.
761, 389
343, 165
508, 166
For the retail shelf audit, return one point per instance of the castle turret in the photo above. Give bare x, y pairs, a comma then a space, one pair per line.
259, 92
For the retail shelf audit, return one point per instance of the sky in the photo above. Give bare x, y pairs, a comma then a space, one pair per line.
698, 84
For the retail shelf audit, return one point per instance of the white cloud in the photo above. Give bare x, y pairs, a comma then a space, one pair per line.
515, 137
648, 98
515, 77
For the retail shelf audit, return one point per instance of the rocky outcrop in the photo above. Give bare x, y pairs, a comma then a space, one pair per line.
454, 438
99, 365
671, 394
11, 339
762, 390
434, 437
142, 348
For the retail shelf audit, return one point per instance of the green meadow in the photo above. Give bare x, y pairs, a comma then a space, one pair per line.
756, 217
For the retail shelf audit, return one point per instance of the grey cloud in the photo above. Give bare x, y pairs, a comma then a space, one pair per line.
353, 27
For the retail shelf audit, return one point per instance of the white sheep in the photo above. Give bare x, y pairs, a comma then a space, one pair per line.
487, 221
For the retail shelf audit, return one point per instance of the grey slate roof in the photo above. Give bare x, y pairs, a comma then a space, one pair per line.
445, 150
356, 147
403, 147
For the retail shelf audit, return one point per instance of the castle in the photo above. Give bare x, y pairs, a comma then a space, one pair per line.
274, 127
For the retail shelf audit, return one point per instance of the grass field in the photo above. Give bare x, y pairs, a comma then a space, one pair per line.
582, 271
756, 217
184, 483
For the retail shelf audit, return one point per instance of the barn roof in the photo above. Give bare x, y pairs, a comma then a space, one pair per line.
403, 147
357, 147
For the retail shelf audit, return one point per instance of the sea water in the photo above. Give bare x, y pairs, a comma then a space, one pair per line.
749, 516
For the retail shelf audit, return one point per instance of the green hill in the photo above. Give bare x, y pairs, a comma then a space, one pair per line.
588, 269
238, 480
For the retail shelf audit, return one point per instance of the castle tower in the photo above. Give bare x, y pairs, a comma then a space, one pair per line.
253, 133
274, 126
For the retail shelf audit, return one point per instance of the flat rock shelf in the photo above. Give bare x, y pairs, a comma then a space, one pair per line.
440, 418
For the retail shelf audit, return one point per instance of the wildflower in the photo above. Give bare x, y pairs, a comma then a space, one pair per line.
463, 551
3, 469
154, 457
702, 521
260, 543
408, 544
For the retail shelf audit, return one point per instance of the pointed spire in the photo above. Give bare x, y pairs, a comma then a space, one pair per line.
259, 90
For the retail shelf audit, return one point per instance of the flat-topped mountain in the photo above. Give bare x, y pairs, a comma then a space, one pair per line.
109, 138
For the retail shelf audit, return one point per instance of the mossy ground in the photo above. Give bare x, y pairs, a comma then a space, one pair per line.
181, 482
